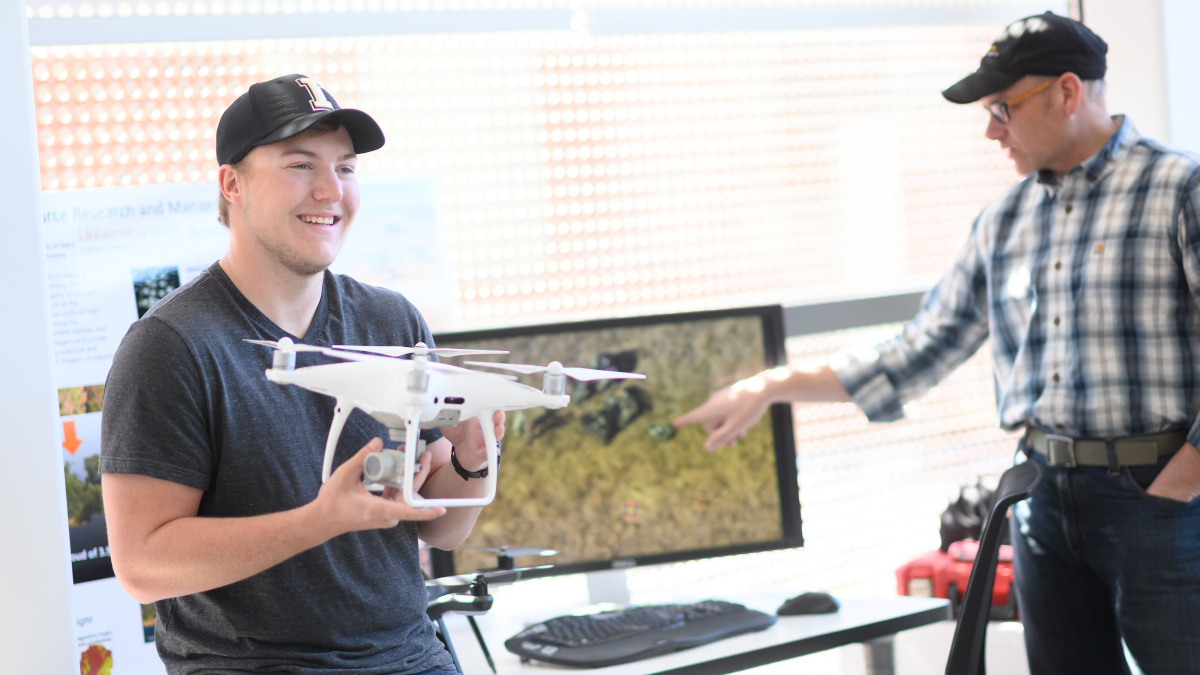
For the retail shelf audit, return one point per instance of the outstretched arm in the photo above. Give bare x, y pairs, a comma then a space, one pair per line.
161, 548
729, 412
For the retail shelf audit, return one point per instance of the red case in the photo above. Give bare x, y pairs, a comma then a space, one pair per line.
945, 575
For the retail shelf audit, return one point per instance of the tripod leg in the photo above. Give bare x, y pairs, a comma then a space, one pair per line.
482, 645
449, 645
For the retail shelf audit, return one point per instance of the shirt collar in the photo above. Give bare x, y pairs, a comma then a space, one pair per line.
1105, 159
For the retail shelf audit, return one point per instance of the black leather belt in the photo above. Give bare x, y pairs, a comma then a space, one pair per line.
1064, 451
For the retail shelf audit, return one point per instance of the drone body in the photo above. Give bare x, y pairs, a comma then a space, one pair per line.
408, 395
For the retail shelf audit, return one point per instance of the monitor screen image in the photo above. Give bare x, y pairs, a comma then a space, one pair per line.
607, 481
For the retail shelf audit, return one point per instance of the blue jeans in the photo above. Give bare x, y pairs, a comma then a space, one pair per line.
441, 670
1097, 563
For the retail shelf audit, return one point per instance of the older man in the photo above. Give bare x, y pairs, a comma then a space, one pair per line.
1085, 276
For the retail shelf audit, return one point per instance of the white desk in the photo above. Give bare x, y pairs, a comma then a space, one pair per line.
858, 620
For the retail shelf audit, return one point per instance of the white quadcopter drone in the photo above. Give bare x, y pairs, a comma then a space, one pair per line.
408, 395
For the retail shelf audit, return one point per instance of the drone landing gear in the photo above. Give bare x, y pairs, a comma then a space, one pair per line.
341, 412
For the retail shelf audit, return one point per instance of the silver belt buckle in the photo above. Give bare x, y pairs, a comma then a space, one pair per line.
1057, 447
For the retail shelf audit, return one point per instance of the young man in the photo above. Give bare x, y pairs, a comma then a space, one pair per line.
1085, 276
212, 474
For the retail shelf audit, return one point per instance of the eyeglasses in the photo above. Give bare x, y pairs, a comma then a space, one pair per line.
1000, 111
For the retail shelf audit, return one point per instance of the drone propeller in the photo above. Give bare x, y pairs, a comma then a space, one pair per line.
505, 554
460, 583
514, 551
286, 345
419, 349
556, 368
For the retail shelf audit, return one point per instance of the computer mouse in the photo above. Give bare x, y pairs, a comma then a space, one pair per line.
812, 602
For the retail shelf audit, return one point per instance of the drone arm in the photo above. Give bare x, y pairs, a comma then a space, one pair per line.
461, 604
342, 411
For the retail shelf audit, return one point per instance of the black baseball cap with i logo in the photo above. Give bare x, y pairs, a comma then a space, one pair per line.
284, 107
1043, 44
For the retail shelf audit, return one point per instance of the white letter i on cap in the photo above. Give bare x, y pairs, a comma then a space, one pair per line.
316, 93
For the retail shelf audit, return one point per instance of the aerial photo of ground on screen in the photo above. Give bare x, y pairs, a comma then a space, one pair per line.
608, 476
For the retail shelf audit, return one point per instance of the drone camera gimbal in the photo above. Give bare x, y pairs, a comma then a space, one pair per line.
386, 467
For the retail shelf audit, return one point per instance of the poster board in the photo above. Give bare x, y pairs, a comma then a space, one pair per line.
111, 253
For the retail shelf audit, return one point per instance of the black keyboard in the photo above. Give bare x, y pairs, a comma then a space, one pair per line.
608, 638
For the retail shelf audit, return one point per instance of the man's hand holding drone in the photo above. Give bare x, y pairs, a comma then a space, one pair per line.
344, 505
347, 506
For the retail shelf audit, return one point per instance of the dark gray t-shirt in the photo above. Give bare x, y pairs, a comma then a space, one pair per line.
187, 401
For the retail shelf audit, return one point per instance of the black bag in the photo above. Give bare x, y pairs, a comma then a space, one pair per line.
965, 517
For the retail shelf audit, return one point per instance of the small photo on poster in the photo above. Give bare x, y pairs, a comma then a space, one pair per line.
152, 285
96, 659
114, 629
79, 409
80, 400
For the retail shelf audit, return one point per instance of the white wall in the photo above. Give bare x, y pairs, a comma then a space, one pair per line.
1152, 64
1137, 80
1181, 19
36, 634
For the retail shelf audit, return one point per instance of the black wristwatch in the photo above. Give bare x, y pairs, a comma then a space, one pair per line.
468, 475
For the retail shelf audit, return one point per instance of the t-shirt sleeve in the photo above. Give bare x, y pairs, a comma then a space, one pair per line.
153, 420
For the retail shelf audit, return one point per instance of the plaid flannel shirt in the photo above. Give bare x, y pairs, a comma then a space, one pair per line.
1088, 288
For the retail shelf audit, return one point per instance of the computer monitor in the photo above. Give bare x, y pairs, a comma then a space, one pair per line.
607, 481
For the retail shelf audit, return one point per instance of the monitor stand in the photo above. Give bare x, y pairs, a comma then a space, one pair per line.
608, 587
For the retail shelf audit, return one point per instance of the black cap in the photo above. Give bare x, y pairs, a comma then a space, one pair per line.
1043, 44
287, 106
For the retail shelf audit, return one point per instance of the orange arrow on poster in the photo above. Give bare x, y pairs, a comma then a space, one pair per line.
70, 441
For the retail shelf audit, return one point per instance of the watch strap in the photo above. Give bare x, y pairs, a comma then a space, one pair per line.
466, 475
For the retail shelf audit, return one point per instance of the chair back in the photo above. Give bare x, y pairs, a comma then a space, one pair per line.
967, 648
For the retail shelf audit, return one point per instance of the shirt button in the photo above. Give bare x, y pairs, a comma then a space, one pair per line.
1069, 207
1058, 265
1056, 321
1054, 377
